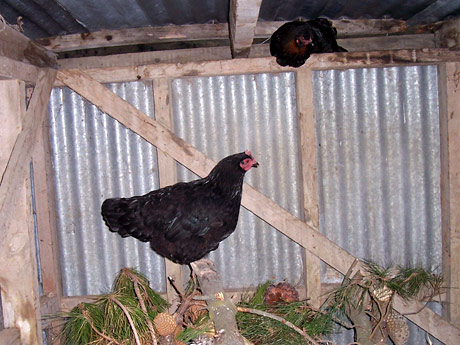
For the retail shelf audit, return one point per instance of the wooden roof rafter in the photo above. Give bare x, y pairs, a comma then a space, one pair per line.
218, 31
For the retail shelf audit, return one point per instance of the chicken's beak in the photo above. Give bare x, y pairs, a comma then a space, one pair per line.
255, 165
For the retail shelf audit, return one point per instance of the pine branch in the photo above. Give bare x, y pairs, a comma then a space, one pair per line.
144, 309
130, 320
280, 319
84, 312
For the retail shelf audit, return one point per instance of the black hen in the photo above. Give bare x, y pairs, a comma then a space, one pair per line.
185, 221
294, 42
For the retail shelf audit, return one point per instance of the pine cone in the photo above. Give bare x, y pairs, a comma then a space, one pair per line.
196, 309
165, 324
282, 292
383, 294
397, 328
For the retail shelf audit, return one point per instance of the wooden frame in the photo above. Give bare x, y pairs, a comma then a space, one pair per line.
303, 233
449, 95
88, 84
18, 278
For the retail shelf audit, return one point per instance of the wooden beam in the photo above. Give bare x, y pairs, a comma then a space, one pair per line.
16, 46
242, 24
18, 276
17, 248
348, 27
11, 113
46, 216
18, 164
304, 234
268, 65
182, 56
150, 72
147, 58
12, 69
306, 121
146, 35
367, 44
10, 336
449, 99
431, 322
167, 173
174, 33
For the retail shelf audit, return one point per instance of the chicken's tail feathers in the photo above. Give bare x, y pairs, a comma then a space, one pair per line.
119, 215
111, 213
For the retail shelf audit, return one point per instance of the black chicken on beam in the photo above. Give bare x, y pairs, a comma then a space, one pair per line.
294, 42
187, 220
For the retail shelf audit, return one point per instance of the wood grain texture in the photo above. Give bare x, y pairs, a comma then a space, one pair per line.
18, 164
167, 172
12, 69
16, 46
145, 35
171, 33
242, 24
307, 135
372, 59
11, 113
10, 336
46, 216
18, 276
449, 99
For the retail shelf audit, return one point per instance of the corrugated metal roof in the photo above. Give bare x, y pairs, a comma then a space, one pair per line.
289, 10
45, 18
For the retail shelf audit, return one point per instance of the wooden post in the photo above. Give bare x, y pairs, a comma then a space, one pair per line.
167, 172
242, 23
18, 276
222, 311
306, 120
50, 301
449, 99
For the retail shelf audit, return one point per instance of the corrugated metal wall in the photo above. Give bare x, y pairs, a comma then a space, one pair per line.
378, 171
94, 158
378, 162
223, 115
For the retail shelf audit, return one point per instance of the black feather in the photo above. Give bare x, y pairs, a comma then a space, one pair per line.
185, 221
286, 43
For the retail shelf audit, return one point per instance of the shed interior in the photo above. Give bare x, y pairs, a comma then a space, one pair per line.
358, 150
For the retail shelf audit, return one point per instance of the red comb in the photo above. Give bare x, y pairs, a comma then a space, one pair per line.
248, 153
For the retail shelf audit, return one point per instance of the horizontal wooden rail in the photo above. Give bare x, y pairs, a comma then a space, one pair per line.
348, 60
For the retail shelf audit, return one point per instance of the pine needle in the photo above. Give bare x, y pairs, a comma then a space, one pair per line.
261, 329
121, 317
